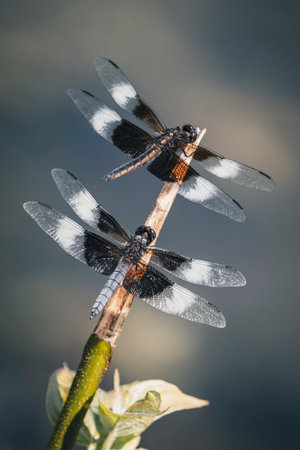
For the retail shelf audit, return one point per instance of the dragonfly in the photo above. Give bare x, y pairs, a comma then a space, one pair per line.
122, 259
154, 145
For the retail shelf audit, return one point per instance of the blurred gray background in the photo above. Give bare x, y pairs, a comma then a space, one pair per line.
232, 67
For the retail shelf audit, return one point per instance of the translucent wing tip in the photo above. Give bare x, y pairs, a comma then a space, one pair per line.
71, 92
239, 279
28, 206
102, 60
59, 175
41, 213
221, 322
31, 206
63, 180
240, 218
263, 182
57, 172
75, 93
216, 320
238, 214
230, 277
25, 205
269, 184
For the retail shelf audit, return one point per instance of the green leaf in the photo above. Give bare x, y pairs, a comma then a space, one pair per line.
126, 443
57, 391
172, 398
116, 419
108, 419
149, 405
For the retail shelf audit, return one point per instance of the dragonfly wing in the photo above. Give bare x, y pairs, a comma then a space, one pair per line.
197, 271
98, 253
125, 95
232, 170
170, 167
129, 138
86, 207
147, 283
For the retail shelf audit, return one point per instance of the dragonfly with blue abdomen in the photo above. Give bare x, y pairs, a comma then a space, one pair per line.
123, 260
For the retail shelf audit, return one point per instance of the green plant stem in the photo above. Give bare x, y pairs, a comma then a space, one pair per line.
101, 344
94, 360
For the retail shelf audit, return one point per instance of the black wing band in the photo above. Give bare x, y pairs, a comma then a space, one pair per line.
147, 283
129, 138
170, 167
167, 259
132, 140
143, 281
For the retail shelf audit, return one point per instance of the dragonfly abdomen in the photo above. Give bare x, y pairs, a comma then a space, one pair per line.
163, 142
110, 286
149, 155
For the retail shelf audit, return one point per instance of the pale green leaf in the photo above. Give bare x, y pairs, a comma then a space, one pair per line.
149, 405
108, 419
117, 418
57, 391
132, 443
172, 398
112, 442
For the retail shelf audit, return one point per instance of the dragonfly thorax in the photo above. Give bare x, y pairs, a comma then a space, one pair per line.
143, 236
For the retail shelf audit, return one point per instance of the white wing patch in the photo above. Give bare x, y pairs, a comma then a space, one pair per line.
84, 209
222, 168
175, 302
209, 274
122, 93
103, 120
178, 301
199, 190
65, 234
238, 173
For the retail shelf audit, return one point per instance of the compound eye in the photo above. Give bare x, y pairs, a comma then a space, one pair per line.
140, 230
187, 128
151, 235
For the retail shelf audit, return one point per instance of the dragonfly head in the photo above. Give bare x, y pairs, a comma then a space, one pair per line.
190, 132
146, 233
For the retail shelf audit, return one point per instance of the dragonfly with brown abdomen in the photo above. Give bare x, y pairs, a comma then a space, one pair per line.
157, 147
